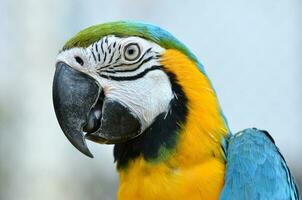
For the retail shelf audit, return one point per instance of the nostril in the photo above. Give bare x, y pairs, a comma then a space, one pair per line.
79, 60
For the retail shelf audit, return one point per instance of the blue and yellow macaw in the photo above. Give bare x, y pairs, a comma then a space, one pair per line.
136, 86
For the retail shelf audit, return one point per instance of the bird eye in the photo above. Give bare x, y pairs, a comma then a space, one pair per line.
132, 52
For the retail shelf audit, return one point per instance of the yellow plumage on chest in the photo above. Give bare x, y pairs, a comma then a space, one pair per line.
163, 182
195, 168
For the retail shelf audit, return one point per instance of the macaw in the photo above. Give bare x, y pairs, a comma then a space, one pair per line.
136, 86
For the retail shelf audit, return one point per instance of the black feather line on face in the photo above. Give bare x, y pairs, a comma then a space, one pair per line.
93, 54
131, 78
102, 48
105, 56
99, 57
162, 133
113, 53
130, 70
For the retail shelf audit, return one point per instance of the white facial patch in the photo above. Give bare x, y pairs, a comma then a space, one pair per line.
147, 97
128, 70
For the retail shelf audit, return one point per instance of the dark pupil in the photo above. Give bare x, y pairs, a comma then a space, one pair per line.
131, 51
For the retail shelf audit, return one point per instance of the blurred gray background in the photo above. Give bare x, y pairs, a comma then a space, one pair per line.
251, 51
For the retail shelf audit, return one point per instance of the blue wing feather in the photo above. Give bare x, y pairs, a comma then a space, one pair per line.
256, 170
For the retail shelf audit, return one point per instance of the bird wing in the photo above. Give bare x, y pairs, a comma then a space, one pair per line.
256, 170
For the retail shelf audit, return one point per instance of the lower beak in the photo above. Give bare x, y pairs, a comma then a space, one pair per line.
81, 107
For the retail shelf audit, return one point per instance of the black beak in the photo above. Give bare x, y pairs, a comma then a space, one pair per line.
73, 95
81, 107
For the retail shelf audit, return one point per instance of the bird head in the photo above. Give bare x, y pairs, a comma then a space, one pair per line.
113, 80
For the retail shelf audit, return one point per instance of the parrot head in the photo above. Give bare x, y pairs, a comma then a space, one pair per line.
112, 81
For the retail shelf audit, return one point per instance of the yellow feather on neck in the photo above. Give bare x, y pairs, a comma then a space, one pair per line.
195, 169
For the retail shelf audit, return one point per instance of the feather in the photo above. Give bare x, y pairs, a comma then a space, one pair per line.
256, 169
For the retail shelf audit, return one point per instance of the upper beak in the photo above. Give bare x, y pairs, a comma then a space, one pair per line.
73, 95
81, 107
